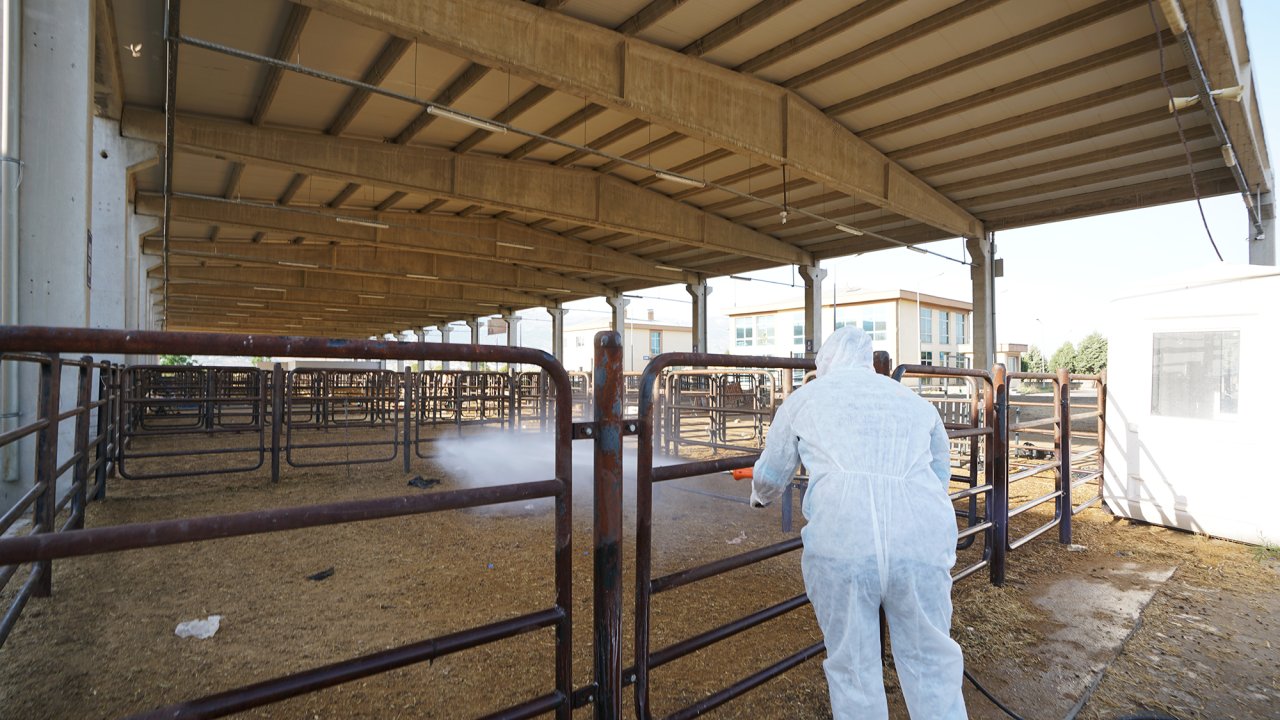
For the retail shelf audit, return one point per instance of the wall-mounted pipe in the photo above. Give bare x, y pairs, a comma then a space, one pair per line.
10, 178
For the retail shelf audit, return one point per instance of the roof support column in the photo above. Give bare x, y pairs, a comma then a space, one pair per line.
557, 331
813, 276
512, 320
699, 291
47, 192
1262, 245
983, 275
619, 305
474, 325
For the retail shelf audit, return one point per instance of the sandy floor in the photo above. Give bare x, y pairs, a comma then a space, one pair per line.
104, 645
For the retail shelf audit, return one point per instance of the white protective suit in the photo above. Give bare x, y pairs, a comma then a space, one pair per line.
881, 529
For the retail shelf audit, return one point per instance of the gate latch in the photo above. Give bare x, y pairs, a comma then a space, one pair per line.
589, 430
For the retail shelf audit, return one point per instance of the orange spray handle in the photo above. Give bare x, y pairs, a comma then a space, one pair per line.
741, 473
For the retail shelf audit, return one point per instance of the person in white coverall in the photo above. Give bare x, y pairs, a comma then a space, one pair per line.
881, 530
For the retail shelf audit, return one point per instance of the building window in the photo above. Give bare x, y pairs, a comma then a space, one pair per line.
744, 331
926, 358
926, 325
655, 342
797, 334
944, 328
1195, 374
944, 359
764, 330
960, 328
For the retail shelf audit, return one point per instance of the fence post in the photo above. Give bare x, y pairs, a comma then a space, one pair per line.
80, 476
103, 429
1062, 443
47, 464
998, 471
210, 375
407, 404
610, 387
277, 418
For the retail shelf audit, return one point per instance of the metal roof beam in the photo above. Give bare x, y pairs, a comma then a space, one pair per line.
691, 96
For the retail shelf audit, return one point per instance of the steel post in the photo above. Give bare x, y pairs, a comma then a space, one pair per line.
607, 535
47, 464
277, 418
80, 476
406, 416
997, 407
1062, 443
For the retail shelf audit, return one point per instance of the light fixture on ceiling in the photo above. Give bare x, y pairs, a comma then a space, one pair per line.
667, 267
286, 263
676, 178
309, 317
913, 248
1233, 94
226, 322
421, 277
372, 297
487, 304
237, 314
564, 290
250, 304
517, 246
268, 289
850, 230
294, 325
1228, 156
336, 309
466, 119
362, 221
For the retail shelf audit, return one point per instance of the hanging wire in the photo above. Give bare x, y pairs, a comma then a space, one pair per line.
1191, 169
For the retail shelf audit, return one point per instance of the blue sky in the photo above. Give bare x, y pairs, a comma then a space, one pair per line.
1057, 279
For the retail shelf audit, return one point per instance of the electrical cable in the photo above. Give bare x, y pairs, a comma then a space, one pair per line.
991, 697
1195, 188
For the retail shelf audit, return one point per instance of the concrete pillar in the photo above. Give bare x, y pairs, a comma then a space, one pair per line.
813, 276
619, 305
513, 327
54, 118
557, 331
982, 251
699, 292
1262, 245
116, 230
474, 325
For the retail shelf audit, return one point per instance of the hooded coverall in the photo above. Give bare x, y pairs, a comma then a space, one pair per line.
881, 529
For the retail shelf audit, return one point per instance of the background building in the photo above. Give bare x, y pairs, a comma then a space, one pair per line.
641, 341
911, 326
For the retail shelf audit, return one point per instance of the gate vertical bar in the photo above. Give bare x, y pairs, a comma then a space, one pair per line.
102, 432
80, 476
277, 418
607, 535
47, 464
997, 458
1062, 442
407, 410
210, 380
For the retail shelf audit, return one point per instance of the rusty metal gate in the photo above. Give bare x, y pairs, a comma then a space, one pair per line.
45, 542
164, 403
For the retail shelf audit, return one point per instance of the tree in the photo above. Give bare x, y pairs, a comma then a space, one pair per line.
1063, 357
1034, 361
1091, 357
176, 360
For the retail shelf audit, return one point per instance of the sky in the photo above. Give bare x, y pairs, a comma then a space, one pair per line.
1058, 278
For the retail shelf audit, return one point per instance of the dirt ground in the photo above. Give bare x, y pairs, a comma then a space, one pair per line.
103, 646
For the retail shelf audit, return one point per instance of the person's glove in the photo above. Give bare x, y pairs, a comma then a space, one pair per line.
756, 502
